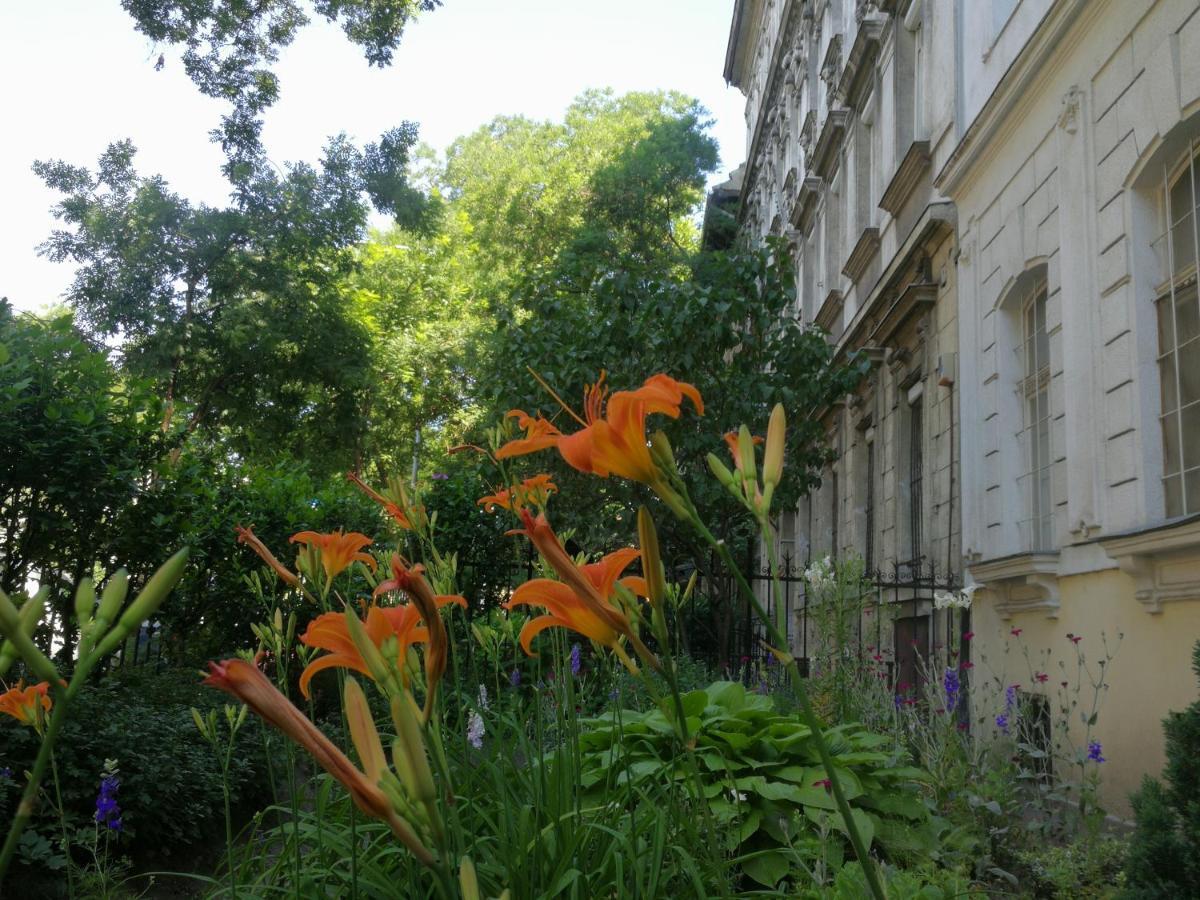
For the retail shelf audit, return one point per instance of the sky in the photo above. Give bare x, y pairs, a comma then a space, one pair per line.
77, 76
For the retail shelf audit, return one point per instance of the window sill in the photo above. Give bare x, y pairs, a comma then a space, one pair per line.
1024, 582
1163, 561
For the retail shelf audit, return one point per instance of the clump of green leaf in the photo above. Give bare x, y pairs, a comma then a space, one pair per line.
763, 782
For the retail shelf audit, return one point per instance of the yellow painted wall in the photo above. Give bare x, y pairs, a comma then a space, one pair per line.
1150, 675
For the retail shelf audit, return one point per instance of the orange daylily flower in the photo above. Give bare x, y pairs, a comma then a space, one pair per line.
329, 632
402, 516
613, 439
249, 685
250, 539
28, 705
337, 550
411, 580
582, 600
535, 490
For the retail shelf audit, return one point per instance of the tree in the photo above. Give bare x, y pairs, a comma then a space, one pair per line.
79, 439
231, 45
619, 178
1164, 853
236, 313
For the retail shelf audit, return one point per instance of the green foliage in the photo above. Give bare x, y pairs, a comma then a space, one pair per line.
764, 783
1084, 869
231, 46
170, 795
78, 438
1164, 855
235, 313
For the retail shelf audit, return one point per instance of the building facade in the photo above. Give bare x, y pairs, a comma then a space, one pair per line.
995, 203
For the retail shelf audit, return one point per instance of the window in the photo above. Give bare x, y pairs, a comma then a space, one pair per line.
869, 511
1178, 308
833, 492
1037, 528
916, 471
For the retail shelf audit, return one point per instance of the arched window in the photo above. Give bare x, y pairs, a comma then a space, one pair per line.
1037, 529
1178, 313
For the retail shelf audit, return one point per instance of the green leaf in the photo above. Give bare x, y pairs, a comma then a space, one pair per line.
768, 868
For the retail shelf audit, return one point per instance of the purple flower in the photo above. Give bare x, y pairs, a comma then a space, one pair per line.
6, 774
108, 813
475, 730
951, 685
576, 659
1002, 723
1094, 752
614, 694
515, 678
440, 476
898, 700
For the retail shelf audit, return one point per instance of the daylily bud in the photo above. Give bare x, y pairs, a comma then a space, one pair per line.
278, 621
656, 584
773, 455
412, 764
200, 726
85, 603
370, 654
27, 619
144, 605
363, 732
111, 600
467, 880
151, 597
662, 452
749, 470
722, 474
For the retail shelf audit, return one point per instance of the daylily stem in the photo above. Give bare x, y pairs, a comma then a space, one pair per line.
29, 795
779, 640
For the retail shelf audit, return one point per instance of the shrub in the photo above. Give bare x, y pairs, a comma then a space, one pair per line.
1164, 855
170, 780
763, 781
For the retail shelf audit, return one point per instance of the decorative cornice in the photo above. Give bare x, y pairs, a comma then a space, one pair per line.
862, 254
1026, 582
856, 75
936, 222
832, 132
1164, 562
831, 309
908, 175
806, 202
913, 300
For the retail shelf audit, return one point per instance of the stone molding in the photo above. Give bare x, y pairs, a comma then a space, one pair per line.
861, 255
1164, 561
1026, 582
908, 175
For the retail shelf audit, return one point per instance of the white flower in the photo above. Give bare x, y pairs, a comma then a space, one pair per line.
483, 696
736, 796
475, 730
954, 599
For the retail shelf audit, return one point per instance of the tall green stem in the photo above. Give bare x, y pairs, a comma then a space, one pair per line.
62, 821
779, 639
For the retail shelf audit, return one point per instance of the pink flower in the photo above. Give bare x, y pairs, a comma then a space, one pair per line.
1016, 632
1041, 677
968, 635
967, 665
825, 783
1074, 638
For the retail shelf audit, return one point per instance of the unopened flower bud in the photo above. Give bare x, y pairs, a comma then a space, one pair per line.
773, 455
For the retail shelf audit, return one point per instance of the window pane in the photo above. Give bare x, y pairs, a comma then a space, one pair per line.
1183, 243
1166, 325
1191, 435
1193, 492
1170, 443
1189, 372
1166, 377
1173, 489
1187, 315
